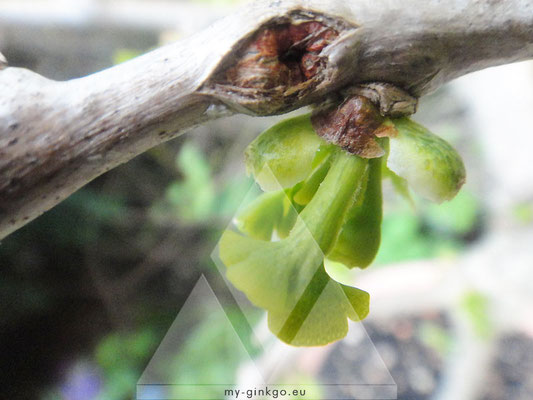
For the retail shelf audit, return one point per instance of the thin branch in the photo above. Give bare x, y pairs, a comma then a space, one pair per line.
57, 136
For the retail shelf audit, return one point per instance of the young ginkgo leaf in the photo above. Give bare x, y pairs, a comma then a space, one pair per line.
430, 165
399, 184
307, 189
360, 237
287, 277
288, 148
271, 215
319, 316
262, 216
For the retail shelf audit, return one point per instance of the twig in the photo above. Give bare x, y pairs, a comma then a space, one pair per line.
57, 136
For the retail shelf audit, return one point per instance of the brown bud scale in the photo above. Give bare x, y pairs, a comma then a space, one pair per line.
353, 126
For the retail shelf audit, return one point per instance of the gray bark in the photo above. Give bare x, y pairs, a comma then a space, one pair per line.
57, 136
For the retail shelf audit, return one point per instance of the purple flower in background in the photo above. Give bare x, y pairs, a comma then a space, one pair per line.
83, 382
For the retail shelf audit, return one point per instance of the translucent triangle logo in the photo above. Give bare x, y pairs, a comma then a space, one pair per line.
199, 356
241, 351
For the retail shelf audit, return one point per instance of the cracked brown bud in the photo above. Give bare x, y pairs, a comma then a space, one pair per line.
353, 126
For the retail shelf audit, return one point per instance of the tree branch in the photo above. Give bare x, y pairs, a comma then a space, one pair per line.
269, 58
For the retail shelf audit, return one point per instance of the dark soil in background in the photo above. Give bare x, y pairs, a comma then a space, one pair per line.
417, 368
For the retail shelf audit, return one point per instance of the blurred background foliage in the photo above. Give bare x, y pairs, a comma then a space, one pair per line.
89, 289
430, 230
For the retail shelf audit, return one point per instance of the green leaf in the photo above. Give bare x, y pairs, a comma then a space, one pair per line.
270, 213
288, 148
289, 216
429, 164
360, 237
402, 239
476, 307
261, 217
194, 196
308, 188
523, 213
399, 184
287, 277
459, 216
123, 55
319, 316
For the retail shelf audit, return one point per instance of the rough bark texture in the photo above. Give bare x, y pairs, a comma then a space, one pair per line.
57, 136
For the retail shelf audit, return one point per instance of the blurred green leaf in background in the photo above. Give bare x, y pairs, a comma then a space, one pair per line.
195, 198
429, 231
